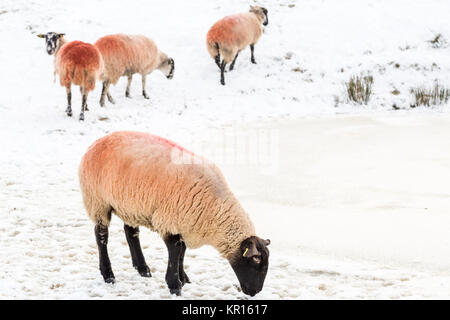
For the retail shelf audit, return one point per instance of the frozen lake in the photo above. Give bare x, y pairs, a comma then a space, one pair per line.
376, 187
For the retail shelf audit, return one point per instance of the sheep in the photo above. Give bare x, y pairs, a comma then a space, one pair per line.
232, 34
77, 63
140, 178
125, 55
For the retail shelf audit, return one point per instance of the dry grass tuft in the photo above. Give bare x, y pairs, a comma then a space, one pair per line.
359, 88
428, 97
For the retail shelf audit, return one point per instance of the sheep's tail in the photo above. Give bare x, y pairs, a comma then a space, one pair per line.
78, 75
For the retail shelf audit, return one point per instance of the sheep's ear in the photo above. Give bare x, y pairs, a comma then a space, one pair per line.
266, 242
60, 35
40, 35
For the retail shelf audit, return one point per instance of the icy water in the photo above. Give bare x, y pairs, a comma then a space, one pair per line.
373, 187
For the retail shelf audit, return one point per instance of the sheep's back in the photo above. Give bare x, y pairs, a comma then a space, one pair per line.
79, 63
139, 175
144, 54
126, 54
115, 55
237, 30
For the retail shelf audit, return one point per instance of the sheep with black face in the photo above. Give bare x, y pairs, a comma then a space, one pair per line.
76, 63
125, 55
232, 34
140, 178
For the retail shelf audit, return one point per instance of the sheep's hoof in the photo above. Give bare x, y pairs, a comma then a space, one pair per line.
102, 103
175, 291
145, 95
69, 112
144, 271
184, 279
222, 82
253, 61
108, 275
86, 108
127, 94
81, 117
111, 280
110, 99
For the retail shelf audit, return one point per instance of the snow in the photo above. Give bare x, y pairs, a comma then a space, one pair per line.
354, 198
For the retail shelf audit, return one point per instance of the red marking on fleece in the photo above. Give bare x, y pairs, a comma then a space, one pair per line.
224, 30
169, 143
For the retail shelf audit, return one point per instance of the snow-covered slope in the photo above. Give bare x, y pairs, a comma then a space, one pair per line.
355, 204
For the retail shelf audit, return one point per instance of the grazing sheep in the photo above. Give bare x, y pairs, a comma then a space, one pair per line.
232, 34
125, 55
140, 178
77, 63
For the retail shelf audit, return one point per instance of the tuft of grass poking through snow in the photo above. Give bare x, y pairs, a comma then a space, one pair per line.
428, 97
359, 88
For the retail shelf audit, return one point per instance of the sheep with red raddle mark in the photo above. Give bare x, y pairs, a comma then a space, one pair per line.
150, 181
125, 55
76, 63
232, 34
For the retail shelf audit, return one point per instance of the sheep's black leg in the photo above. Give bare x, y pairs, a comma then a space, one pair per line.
144, 80
217, 60
174, 247
101, 236
222, 71
132, 235
69, 101
234, 61
105, 92
110, 98
252, 49
83, 105
86, 107
217, 57
127, 91
183, 276
102, 97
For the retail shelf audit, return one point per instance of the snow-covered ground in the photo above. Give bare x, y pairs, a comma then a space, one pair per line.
353, 198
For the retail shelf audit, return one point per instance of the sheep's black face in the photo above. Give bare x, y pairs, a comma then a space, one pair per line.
51, 41
261, 12
251, 263
171, 63
266, 20
167, 67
